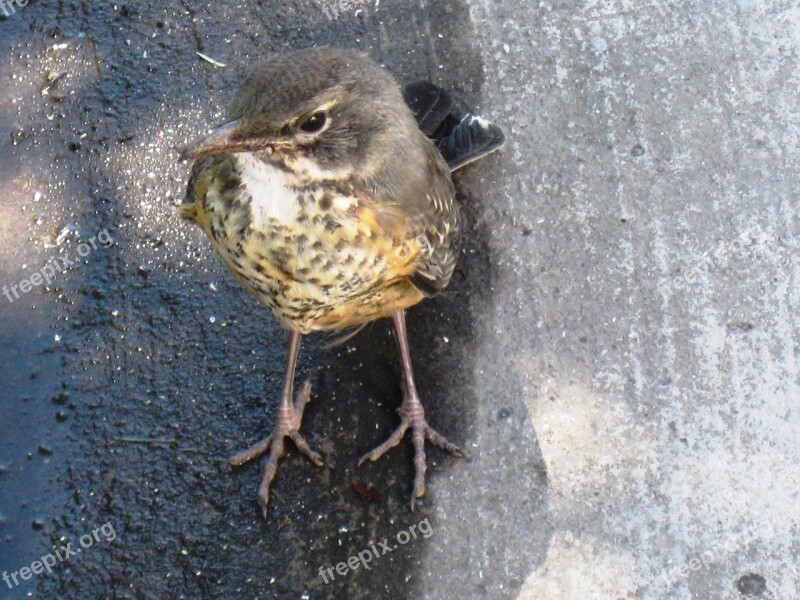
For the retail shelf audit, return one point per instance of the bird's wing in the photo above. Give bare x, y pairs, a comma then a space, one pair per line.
423, 211
440, 229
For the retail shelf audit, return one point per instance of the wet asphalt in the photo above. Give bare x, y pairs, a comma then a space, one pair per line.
129, 379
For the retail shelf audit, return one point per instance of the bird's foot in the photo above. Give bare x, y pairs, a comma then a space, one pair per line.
412, 416
287, 424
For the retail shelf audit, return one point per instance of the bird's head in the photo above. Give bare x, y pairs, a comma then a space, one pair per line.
323, 113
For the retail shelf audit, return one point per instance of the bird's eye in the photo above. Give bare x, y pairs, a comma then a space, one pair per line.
314, 123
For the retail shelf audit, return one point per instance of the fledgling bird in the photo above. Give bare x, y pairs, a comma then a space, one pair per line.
327, 201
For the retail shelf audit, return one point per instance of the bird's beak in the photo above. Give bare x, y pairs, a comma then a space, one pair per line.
218, 141
226, 139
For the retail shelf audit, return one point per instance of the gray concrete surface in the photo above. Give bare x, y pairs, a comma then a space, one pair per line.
618, 349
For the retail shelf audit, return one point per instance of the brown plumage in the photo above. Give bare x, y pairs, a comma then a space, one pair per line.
326, 201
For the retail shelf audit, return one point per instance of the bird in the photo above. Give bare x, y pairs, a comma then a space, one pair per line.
328, 196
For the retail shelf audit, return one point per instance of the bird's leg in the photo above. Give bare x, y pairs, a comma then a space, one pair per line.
287, 424
412, 415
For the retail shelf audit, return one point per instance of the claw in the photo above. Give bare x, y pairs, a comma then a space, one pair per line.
413, 417
287, 424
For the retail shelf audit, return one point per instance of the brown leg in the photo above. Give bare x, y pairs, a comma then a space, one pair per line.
411, 415
287, 424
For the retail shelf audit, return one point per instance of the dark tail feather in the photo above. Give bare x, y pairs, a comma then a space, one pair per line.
471, 138
429, 103
461, 137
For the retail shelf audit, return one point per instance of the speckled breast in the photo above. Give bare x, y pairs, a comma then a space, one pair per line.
313, 254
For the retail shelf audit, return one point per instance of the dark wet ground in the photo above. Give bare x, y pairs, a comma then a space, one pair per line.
129, 380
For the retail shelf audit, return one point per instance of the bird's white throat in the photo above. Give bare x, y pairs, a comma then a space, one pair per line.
269, 189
